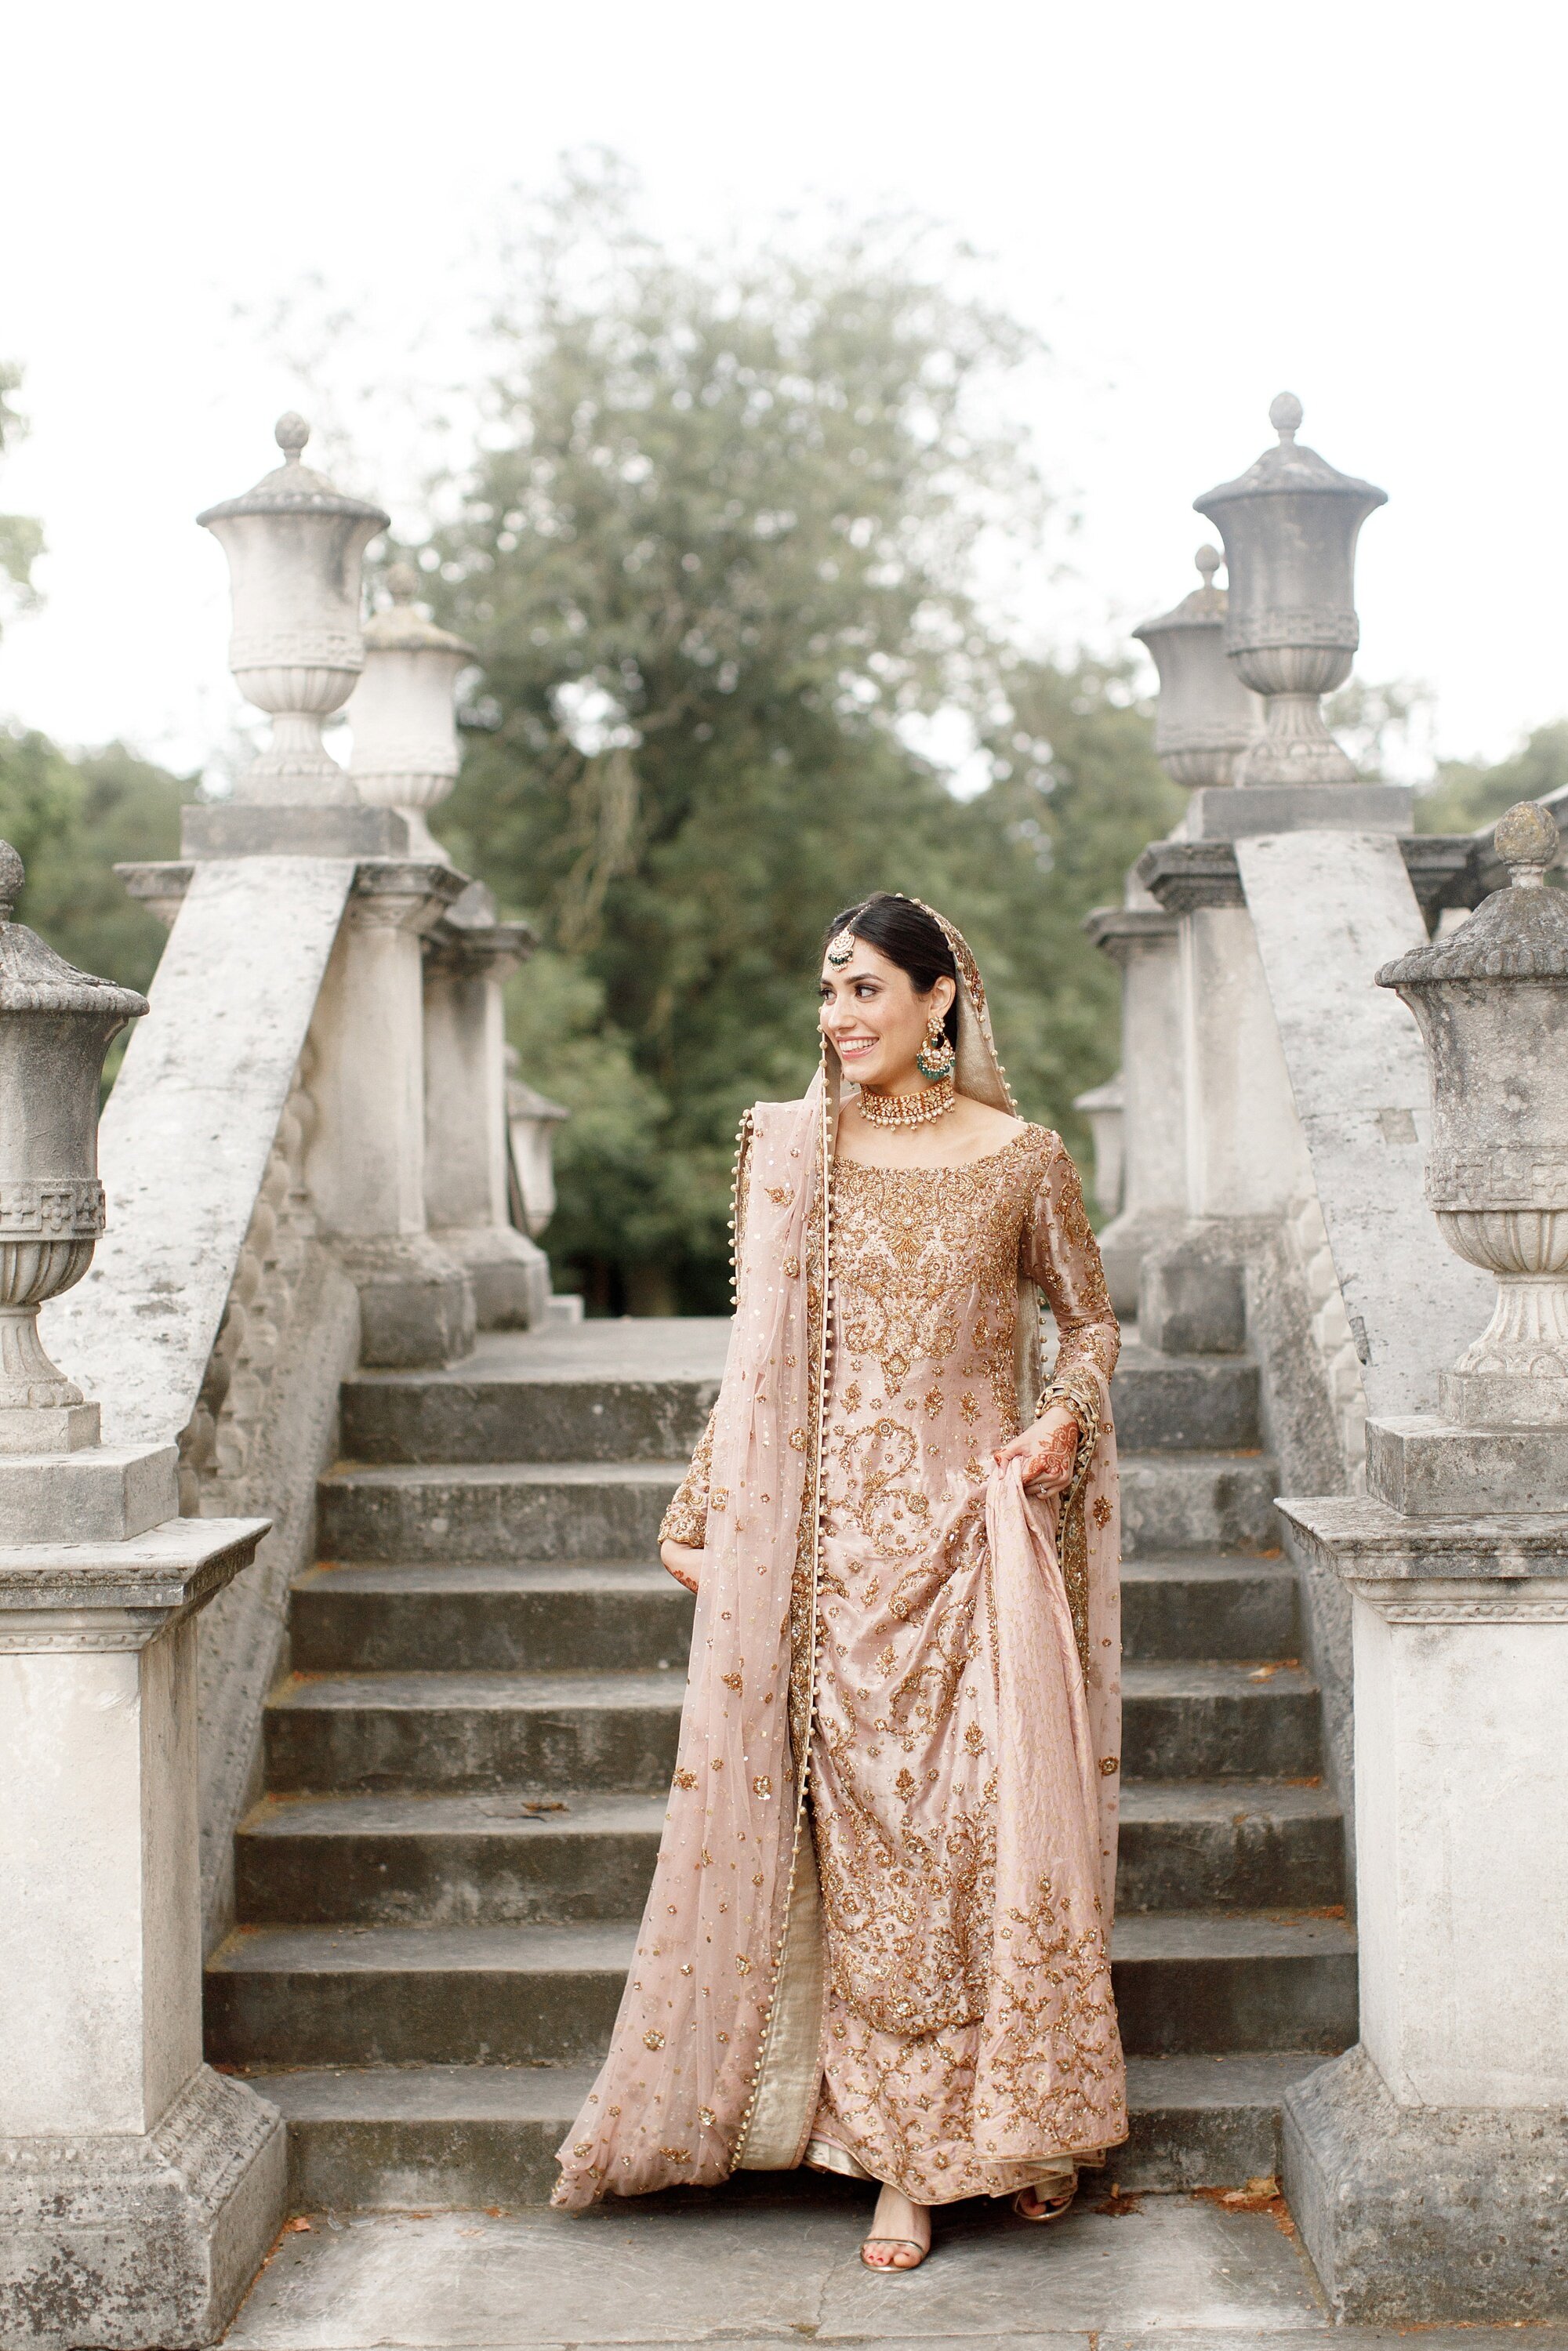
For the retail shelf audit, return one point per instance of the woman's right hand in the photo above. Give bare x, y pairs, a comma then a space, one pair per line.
683, 1563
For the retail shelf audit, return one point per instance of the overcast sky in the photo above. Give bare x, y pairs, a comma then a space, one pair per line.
1197, 205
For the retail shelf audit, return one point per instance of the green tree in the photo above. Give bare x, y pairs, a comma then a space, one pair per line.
72, 820
21, 538
715, 554
1467, 793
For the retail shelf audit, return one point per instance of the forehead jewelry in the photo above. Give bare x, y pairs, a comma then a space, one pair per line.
841, 948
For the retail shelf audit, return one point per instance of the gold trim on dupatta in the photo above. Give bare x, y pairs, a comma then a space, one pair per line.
785, 2086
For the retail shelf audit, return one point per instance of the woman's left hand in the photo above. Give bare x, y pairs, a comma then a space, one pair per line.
1048, 1451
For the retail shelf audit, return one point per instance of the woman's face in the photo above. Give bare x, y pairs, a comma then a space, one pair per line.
872, 1014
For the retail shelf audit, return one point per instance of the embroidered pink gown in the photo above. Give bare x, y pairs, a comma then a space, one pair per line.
909, 1717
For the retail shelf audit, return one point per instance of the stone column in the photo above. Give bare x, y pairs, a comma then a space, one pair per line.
467, 958
1145, 942
1428, 2167
366, 1164
139, 2190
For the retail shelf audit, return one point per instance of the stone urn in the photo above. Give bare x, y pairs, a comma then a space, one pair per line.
405, 737
1491, 1000
56, 1024
1205, 717
1289, 525
295, 544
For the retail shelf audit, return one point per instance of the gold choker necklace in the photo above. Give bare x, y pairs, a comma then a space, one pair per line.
908, 1110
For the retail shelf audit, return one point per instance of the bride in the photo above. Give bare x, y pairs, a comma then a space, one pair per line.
878, 1936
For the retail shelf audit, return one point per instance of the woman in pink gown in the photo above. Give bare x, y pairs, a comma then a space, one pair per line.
878, 1936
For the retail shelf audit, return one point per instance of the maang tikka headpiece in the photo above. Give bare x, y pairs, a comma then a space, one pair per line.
841, 948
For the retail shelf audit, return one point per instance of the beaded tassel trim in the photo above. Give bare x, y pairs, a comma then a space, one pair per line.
908, 1110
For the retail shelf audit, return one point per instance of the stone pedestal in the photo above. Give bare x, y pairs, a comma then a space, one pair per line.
366, 1166
467, 958
1427, 2169
1144, 940
139, 2191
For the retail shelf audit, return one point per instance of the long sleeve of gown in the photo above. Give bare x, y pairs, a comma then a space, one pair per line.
685, 1520
1062, 1255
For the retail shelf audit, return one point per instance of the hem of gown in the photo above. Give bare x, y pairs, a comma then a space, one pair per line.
1048, 2171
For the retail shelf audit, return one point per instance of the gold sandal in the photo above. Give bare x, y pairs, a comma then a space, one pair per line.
1045, 2207
894, 2268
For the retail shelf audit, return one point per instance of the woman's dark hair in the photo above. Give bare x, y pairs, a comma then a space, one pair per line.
907, 935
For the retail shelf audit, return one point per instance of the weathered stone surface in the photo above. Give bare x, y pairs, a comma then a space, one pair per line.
1163, 1404
1329, 909
574, 1617
498, 1510
1248, 810
133, 2239
1192, 1298
1194, 1606
233, 828
1426, 1467
1192, 1722
106, 1493
186, 1134
1417, 2214
1197, 1501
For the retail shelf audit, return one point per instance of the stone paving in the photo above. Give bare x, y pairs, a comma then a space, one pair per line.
1163, 2272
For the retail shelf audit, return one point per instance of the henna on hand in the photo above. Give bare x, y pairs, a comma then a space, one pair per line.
1047, 1453
677, 1566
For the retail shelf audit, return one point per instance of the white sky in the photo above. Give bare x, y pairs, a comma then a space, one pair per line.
1198, 204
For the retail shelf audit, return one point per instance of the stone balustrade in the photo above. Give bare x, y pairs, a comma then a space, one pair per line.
138, 2189
307, 1138
1426, 2166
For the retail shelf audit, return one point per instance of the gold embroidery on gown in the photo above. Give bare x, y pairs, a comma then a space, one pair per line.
903, 1752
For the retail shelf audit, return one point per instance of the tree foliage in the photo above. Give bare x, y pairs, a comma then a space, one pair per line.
717, 555
1468, 793
21, 538
72, 820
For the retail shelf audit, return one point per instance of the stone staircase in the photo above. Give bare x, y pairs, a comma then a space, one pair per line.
466, 1769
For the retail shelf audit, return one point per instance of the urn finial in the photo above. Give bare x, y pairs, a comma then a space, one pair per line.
1526, 840
12, 873
1208, 561
1285, 414
402, 583
294, 543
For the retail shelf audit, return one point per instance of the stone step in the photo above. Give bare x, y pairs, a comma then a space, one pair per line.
410, 1417
496, 1510
1199, 1501
547, 1733
1190, 1606
451, 1860
1226, 1722
583, 1615
1198, 1983
1186, 1984
476, 2137
1256, 1845
1184, 1403
541, 1732
545, 1618
497, 1859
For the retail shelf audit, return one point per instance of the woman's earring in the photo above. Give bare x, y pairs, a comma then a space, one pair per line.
938, 1054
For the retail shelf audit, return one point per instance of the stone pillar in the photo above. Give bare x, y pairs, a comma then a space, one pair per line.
366, 1164
1426, 2167
1145, 942
467, 958
139, 2190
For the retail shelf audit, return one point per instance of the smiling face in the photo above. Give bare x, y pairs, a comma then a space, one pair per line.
873, 1017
